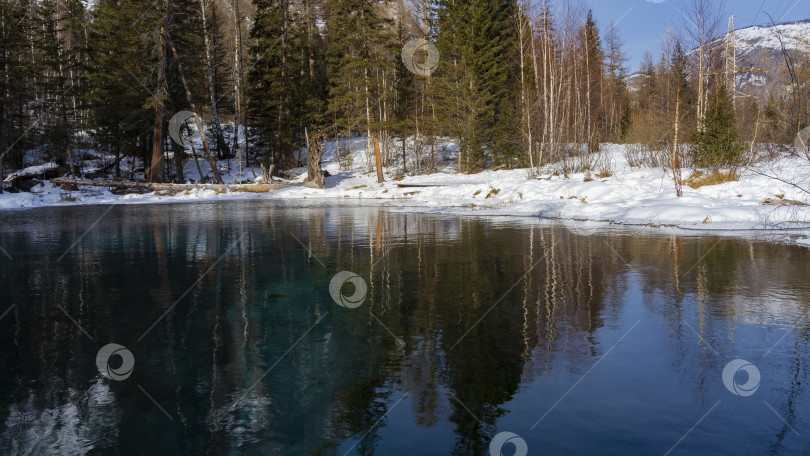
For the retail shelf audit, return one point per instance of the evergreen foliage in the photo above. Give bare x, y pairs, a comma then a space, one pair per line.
717, 144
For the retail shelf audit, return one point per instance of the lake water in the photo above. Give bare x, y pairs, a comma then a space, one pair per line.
445, 334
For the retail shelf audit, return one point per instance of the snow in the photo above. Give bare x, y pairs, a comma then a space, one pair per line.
630, 196
31, 171
793, 36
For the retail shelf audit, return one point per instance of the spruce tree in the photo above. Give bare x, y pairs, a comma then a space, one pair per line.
718, 143
402, 121
679, 77
119, 79
593, 60
359, 49
15, 92
475, 90
285, 91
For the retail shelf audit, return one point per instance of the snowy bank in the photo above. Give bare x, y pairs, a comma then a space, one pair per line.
629, 196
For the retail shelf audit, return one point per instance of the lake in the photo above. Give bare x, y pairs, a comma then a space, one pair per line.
331, 329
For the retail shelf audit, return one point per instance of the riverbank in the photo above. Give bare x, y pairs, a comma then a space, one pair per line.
761, 198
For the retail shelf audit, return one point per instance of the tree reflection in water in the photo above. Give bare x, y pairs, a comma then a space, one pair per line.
255, 357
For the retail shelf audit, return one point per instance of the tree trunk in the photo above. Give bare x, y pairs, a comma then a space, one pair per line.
178, 163
4, 31
221, 147
404, 161
675, 159
282, 94
522, 24
156, 170
368, 117
198, 121
197, 163
253, 188
377, 159
314, 154
237, 74
310, 29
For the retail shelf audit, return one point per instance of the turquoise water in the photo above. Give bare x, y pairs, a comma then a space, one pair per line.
452, 331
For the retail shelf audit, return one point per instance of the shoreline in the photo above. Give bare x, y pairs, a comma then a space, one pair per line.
627, 197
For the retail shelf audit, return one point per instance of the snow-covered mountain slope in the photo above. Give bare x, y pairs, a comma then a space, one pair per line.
760, 56
760, 53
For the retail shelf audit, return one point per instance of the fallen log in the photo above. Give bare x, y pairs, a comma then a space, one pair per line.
252, 188
46, 171
420, 185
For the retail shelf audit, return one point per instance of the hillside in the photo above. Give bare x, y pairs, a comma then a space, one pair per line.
759, 55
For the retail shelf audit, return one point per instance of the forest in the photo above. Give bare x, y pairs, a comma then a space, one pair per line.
513, 83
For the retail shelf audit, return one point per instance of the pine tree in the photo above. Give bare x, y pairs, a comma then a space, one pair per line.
717, 144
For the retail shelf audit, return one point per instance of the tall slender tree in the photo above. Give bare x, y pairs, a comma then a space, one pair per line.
474, 88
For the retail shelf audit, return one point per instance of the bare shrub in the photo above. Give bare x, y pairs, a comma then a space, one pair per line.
644, 156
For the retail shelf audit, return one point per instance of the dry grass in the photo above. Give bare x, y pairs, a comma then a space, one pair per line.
782, 202
492, 193
700, 179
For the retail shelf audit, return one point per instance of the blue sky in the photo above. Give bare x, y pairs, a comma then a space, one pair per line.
642, 23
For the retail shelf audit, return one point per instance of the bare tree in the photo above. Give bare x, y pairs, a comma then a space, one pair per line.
703, 22
525, 38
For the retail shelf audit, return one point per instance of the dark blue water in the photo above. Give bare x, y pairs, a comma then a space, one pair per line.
446, 334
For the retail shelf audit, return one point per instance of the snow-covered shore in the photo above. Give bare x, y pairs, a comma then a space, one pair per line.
629, 196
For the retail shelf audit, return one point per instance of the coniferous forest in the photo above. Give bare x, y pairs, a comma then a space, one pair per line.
513, 83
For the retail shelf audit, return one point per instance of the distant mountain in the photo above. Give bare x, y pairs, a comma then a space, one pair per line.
759, 54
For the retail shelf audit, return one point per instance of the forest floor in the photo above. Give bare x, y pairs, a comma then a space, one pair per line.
761, 199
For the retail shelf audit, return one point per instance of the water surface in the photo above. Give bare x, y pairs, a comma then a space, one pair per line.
580, 343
